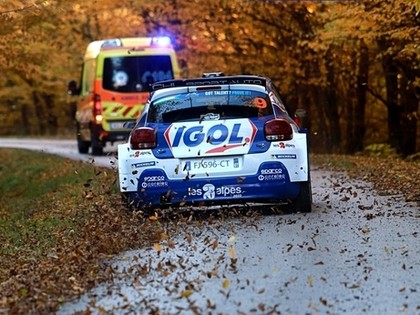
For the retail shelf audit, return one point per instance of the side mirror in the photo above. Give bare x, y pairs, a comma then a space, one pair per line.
301, 117
72, 88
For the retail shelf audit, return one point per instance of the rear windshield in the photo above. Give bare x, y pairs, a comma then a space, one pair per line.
210, 105
135, 73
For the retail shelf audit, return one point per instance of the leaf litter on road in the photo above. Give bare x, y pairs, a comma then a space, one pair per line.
119, 230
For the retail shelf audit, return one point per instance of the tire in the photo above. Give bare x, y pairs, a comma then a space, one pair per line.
95, 143
303, 201
82, 145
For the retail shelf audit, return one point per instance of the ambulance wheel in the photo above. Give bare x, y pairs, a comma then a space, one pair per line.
82, 145
97, 149
96, 144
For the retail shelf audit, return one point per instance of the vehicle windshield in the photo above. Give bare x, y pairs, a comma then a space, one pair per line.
135, 73
210, 105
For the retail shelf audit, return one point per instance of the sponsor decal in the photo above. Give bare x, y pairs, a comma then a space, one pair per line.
271, 174
154, 182
143, 164
140, 153
269, 177
272, 171
229, 92
283, 145
211, 137
284, 156
209, 191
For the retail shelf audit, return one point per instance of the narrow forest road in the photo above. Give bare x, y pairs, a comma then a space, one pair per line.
356, 253
64, 148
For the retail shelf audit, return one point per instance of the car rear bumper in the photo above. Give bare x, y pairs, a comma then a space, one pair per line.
271, 184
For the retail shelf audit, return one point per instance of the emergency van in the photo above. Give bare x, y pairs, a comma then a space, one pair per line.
115, 84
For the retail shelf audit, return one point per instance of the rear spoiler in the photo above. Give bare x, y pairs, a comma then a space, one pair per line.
239, 79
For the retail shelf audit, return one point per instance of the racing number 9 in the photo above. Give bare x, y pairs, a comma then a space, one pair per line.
259, 102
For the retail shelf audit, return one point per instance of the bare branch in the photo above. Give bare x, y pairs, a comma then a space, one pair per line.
29, 6
378, 96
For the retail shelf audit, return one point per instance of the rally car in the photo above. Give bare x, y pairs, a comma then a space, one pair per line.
215, 140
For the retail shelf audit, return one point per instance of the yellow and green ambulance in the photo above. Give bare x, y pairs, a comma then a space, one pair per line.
115, 84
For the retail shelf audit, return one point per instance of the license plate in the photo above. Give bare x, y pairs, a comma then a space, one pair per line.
117, 125
212, 164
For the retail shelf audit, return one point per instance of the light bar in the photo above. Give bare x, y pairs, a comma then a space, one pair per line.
161, 41
115, 42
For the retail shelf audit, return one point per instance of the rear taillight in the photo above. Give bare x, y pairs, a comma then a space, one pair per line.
278, 130
143, 138
97, 109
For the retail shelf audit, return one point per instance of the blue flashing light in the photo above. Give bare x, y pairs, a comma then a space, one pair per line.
115, 42
161, 41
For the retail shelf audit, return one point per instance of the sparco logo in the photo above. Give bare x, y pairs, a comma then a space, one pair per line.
272, 171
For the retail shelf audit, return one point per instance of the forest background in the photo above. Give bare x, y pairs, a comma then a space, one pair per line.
354, 66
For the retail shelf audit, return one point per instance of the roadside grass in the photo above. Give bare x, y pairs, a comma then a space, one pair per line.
389, 174
58, 219
33, 187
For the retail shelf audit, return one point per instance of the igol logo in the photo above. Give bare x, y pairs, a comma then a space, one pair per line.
217, 138
216, 135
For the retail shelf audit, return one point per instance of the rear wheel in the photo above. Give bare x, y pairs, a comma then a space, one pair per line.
96, 143
303, 202
82, 145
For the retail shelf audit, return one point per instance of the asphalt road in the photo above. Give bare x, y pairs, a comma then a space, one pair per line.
64, 148
356, 253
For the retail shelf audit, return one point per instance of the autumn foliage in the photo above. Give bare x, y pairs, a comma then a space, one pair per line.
353, 65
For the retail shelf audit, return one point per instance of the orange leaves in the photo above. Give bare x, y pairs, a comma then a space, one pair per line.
157, 247
226, 283
186, 293
232, 253
215, 244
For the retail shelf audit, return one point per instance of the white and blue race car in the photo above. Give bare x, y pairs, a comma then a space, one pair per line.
216, 140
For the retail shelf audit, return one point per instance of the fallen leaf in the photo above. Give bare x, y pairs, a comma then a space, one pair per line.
232, 252
186, 293
365, 230
171, 243
232, 239
226, 283
310, 281
157, 247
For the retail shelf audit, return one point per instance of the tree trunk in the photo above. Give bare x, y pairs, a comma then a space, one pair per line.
40, 113
361, 90
25, 119
410, 106
331, 107
394, 110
